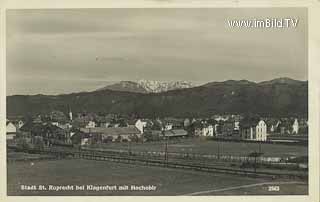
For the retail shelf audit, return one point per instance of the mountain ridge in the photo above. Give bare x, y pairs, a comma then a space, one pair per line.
271, 98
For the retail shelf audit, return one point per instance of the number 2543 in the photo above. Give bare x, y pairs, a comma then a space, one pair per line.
273, 188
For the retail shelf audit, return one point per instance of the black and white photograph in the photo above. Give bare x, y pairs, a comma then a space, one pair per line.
157, 102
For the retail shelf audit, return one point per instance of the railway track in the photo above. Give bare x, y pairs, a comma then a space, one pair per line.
212, 167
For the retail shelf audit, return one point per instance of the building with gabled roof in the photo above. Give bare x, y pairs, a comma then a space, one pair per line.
124, 133
253, 129
289, 126
11, 130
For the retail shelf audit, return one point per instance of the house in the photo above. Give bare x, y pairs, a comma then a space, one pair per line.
113, 134
288, 127
186, 123
104, 122
295, 127
272, 125
167, 126
37, 119
55, 123
19, 124
236, 125
58, 116
91, 124
48, 132
153, 135
140, 125
80, 138
11, 130
204, 130
177, 123
220, 117
66, 126
55, 134
253, 129
303, 126
227, 128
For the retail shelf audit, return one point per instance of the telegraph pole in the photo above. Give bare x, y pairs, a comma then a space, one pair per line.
129, 147
255, 163
218, 150
166, 151
260, 147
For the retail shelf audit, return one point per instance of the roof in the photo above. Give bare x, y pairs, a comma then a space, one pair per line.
175, 133
249, 122
156, 132
271, 122
112, 131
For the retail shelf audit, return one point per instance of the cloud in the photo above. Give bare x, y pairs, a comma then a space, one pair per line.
158, 44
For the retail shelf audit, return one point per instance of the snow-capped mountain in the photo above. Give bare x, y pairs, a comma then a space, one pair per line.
159, 86
147, 86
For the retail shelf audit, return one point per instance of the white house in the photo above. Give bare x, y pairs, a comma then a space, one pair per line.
11, 130
168, 126
295, 126
254, 130
140, 125
261, 131
206, 131
20, 123
236, 125
55, 123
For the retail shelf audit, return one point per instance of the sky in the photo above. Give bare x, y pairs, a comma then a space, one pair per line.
71, 50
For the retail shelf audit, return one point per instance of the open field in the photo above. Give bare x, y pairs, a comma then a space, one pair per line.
21, 156
86, 172
212, 147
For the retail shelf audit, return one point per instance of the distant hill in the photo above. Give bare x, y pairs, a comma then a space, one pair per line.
279, 97
128, 86
282, 80
147, 86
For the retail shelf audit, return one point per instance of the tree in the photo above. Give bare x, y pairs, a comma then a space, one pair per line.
134, 138
23, 144
38, 143
108, 139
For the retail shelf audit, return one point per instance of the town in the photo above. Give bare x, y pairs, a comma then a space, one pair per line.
233, 145
58, 128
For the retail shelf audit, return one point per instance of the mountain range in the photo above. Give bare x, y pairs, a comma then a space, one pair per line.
278, 97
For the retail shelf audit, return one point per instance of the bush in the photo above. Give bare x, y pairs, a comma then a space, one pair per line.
108, 139
134, 138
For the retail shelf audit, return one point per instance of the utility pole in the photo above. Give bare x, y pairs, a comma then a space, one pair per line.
166, 151
218, 150
260, 147
255, 162
129, 147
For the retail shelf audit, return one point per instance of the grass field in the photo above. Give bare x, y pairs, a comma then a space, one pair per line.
211, 147
168, 181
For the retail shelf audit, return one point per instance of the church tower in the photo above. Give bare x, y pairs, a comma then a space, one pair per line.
70, 114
